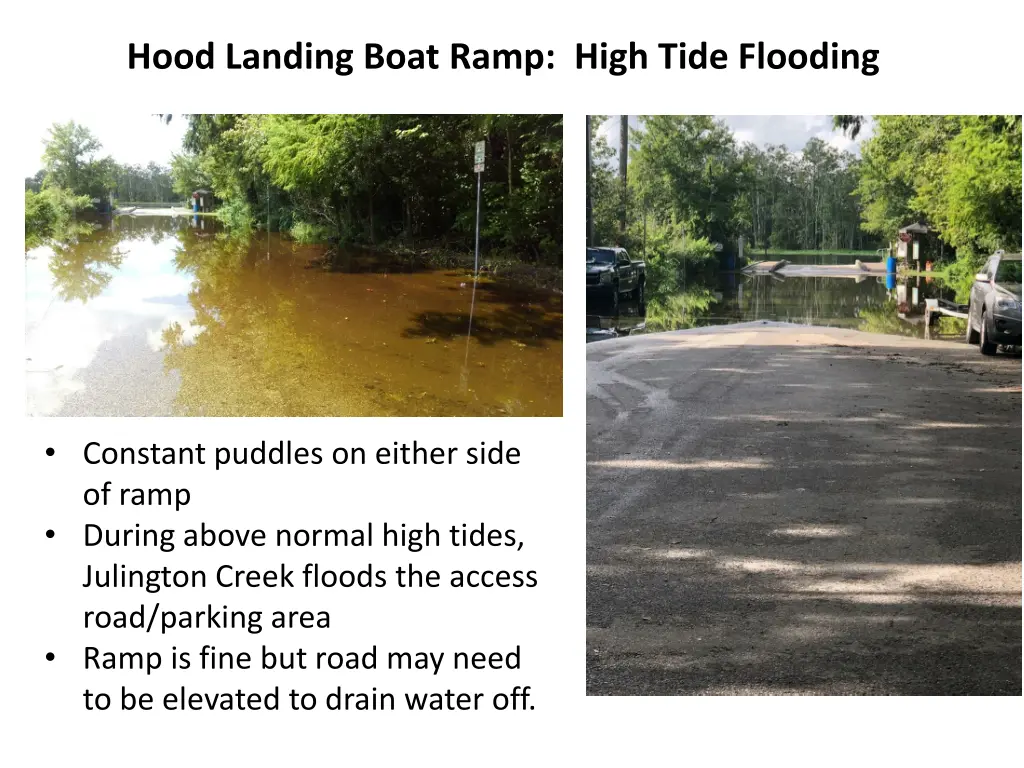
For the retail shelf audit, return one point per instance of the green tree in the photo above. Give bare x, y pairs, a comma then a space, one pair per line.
971, 189
960, 174
693, 159
895, 164
70, 162
372, 178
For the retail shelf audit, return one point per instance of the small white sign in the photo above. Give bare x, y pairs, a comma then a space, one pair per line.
478, 158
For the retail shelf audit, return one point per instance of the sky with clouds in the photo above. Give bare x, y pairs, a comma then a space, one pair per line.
128, 138
792, 130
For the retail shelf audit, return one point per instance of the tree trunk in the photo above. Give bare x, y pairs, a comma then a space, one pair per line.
373, 238
508, 151
590, 205
336, 203
623, 163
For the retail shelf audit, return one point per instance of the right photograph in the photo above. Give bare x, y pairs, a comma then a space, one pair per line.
804, 405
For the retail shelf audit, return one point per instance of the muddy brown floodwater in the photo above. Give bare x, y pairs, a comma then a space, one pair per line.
159, 315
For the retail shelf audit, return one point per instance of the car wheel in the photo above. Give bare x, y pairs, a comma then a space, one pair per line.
971, 335
987, 347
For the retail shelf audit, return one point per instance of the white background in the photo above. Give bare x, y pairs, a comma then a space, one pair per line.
73, 55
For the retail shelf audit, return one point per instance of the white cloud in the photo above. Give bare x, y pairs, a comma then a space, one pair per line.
794, 131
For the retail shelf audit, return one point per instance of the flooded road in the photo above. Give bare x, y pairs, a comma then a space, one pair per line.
888, 304
165, 316
874, 303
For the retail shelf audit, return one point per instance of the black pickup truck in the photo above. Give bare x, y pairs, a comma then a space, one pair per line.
612, 275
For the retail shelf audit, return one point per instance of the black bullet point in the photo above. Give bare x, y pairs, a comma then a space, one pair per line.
50, 534
49, 657
49, 451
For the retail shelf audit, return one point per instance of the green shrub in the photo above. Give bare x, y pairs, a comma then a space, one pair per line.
960, 274
49, 213
236, 216
669, 256
697, 253
306, 233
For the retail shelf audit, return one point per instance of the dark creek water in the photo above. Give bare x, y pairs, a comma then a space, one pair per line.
875, 303
165, 316
867, 304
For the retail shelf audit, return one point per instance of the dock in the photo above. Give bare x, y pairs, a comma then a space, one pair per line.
784, 268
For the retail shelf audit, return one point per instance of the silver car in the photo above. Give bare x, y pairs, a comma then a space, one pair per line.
993, 316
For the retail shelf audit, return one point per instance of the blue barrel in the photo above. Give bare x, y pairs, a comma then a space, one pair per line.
890, 264
890, 281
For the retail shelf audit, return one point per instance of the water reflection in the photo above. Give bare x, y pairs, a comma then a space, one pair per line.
166, 316
605, 322
876, 303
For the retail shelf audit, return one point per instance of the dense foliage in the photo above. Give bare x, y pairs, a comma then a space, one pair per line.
688, 173
49, 214
958, 174
800, 201
150, 183
378, 178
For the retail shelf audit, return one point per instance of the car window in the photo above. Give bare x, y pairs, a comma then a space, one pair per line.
1008, 271
600, 256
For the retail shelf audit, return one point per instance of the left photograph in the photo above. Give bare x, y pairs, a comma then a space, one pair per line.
293, 265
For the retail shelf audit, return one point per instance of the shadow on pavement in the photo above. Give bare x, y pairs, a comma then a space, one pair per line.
774, 516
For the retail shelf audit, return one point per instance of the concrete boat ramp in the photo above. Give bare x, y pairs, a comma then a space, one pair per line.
783, 268
138, 211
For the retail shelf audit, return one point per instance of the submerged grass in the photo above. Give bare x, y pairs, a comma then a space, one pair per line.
501, 266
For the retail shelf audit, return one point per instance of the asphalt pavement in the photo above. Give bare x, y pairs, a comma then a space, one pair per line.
780, 509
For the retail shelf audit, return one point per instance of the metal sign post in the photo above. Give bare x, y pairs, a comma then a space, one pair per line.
478, 168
